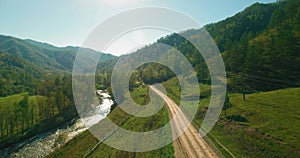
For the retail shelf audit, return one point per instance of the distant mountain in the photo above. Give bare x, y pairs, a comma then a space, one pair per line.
45, 55
24, 64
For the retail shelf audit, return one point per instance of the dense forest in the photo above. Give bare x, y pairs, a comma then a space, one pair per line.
259, 45
25, 115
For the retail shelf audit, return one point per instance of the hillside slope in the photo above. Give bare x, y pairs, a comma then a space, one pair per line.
260, 46
45, 55
25, 63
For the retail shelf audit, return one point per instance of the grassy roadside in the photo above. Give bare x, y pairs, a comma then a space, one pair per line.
265, 125
81, 145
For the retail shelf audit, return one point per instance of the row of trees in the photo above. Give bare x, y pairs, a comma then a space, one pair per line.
34, 114
17, 117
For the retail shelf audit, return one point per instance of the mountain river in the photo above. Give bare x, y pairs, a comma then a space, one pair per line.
43, 144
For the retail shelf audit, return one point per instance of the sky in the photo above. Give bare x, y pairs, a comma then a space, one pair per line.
69, 22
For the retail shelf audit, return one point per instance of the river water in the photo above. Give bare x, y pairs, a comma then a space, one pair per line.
43, 144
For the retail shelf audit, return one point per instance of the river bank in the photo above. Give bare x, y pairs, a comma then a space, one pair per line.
43, 144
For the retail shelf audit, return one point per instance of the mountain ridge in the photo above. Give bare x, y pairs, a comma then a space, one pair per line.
26, 63
45, 55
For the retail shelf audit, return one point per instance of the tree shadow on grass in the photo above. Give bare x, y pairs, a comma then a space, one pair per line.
237, 118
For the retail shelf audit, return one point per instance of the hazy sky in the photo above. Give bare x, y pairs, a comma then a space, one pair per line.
68, 22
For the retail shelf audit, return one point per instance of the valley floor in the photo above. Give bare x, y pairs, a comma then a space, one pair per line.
266, 124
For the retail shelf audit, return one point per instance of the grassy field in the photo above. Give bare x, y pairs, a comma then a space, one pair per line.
8, 101
265, 125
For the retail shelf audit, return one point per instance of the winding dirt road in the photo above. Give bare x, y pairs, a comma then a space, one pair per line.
189, 144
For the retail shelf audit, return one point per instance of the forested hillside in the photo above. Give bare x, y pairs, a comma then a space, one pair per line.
45, 55
36, 87
18, 75
260, 46
25, 63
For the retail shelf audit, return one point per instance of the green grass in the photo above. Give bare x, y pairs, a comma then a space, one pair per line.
266, 125
270, 124
77, 147
10, 100
138, 125
140, 95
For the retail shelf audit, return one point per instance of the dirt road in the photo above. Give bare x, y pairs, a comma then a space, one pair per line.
190, 144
